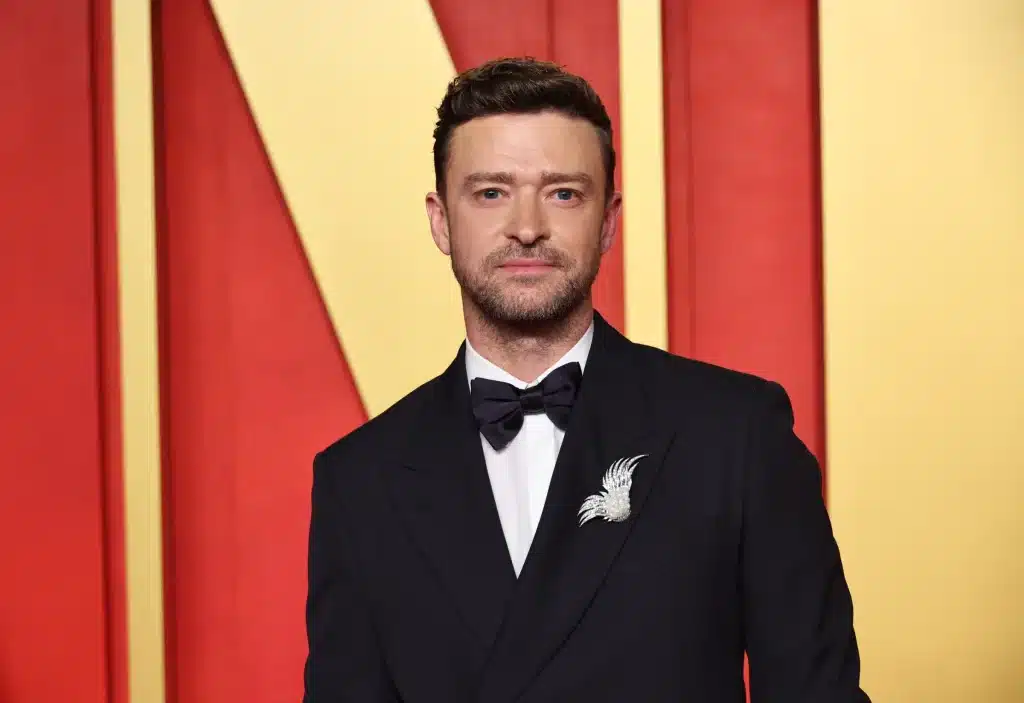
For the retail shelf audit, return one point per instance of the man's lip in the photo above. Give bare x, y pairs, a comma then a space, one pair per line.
525, 264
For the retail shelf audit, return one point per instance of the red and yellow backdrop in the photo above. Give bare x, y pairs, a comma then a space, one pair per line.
215, 261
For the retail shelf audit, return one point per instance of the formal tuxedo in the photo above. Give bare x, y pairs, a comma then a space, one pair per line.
726, 548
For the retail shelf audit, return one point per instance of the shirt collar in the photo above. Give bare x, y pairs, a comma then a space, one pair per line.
478, 366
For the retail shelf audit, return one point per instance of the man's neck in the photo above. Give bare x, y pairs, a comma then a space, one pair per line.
527, 353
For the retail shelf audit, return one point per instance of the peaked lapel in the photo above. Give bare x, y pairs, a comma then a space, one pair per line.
567, 562
444, 494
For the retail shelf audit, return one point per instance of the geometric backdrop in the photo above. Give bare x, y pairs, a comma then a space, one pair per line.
291, 218
215, 261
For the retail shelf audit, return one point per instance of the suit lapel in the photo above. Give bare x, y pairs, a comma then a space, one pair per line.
568, 562
444, 494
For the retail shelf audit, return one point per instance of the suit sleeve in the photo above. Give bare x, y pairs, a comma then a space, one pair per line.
798, 611
344, 662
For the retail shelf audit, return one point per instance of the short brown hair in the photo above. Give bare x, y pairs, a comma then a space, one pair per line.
518, 86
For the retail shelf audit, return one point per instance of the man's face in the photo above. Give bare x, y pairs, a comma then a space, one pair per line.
525, 218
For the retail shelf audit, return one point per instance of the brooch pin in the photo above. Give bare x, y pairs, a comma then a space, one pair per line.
612, 503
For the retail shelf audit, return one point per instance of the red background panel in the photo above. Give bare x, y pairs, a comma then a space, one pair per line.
583, 36
53, 614
110, 346
254, 382
476, 32
743, 194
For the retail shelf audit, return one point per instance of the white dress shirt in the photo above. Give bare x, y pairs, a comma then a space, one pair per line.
521, 472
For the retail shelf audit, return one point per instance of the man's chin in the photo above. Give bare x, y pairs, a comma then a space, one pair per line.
528, 313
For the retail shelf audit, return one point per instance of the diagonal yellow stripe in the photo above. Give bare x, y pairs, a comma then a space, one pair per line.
643, 172
344, 95
136, 236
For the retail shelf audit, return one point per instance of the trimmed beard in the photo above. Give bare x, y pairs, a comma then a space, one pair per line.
503, 309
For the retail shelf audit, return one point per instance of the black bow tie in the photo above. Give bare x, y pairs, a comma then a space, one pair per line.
499, 407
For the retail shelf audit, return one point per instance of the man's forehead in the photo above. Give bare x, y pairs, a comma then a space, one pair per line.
544, 140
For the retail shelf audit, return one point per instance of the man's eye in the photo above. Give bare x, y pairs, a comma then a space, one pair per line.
490, 193
565, 194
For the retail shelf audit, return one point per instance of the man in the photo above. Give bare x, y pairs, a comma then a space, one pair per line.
564, 515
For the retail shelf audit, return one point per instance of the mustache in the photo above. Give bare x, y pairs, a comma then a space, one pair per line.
545, 255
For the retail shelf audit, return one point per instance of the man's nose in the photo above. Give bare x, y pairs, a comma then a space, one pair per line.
528, 223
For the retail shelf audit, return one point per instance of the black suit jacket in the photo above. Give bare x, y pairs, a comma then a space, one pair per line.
728, 549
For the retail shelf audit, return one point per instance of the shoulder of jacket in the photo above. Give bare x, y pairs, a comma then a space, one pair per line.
377, 435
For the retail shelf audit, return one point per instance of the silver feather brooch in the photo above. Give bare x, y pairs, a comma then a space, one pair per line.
612, 503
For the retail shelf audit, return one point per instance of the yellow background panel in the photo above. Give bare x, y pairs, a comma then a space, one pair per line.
344, 94
923, 109
137, 311
643, 173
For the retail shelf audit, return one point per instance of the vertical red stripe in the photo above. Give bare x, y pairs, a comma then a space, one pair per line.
53, 642
744, 234
679, 177
814, 427
254, 381
582, 36
168, 535
476, 32
108, 297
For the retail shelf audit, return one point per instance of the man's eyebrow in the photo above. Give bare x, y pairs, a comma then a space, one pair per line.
547, 178
503, 177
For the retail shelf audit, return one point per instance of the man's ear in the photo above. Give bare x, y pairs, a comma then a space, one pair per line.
610, 224
438, 216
